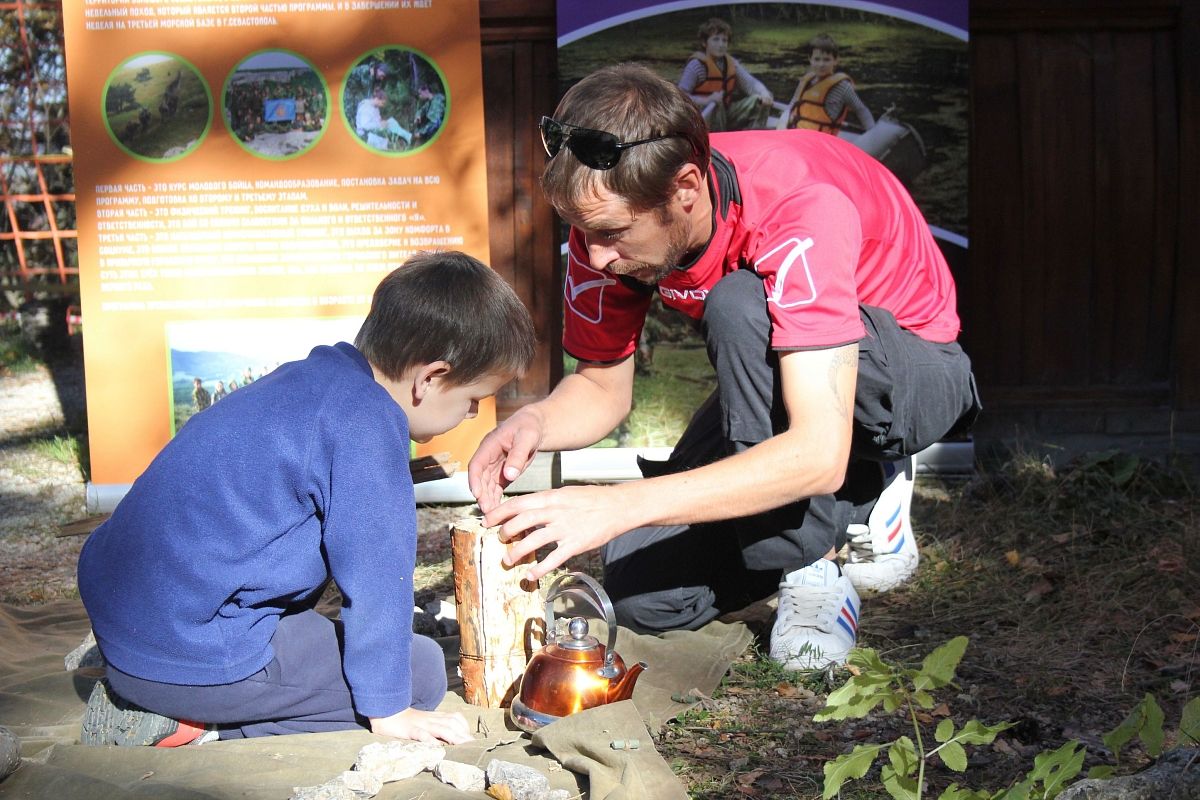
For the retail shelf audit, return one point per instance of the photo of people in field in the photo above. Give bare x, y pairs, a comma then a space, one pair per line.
157, 107
395, 100
275, 104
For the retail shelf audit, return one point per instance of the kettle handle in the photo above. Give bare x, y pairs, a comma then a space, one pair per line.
585, 588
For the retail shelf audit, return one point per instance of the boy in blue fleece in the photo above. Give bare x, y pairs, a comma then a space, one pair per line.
201, 586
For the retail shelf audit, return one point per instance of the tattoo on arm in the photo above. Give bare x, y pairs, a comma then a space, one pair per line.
843, 359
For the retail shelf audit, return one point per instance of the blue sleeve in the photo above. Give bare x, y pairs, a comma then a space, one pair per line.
369, 539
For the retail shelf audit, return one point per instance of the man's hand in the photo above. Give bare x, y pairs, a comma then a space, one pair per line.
575, 518
424, 726
502, 456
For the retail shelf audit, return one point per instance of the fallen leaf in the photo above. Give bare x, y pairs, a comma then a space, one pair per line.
853, 670
1057, 690
940, 710
747, 778
500, 791
1013, 557
1002, 746
1039, 590
923, 718
1180, 687
1062, 538
1183, 637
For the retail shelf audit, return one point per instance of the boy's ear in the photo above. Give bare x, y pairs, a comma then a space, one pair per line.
425, 375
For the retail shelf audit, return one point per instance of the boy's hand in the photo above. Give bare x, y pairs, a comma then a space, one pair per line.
502, 456
424, 726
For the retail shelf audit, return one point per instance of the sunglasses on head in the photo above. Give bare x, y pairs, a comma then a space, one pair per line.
595, 149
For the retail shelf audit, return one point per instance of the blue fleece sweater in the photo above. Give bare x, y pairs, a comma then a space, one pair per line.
301, 476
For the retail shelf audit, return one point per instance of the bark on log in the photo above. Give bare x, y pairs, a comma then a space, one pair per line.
500, 616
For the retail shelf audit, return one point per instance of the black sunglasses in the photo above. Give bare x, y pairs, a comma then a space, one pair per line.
595, 149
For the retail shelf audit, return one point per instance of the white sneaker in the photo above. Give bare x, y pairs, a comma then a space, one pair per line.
817, 622
883, 553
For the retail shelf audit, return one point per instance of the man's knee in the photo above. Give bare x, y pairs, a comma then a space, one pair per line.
736, 305
681, 608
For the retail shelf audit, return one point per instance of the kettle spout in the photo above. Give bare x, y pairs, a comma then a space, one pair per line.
623, 688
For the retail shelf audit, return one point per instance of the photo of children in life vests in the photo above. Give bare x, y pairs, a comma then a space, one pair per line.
893, 86
157, 107
276, 104
395, 100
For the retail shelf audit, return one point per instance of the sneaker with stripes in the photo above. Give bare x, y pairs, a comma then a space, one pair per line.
817, 621
883, 553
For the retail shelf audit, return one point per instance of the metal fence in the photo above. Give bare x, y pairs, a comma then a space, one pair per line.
38, 253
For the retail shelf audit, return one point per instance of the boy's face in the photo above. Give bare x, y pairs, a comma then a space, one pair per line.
822, 62
716, 45
444, 405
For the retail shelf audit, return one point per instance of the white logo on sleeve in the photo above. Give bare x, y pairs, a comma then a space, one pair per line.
578, 290
793, 284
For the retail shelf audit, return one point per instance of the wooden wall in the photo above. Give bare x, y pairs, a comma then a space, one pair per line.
520, 84
1080, 296
1079, 299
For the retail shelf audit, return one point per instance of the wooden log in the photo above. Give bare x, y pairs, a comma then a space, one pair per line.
501, 617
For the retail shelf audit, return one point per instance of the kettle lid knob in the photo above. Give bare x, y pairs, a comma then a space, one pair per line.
577, 636
578, 628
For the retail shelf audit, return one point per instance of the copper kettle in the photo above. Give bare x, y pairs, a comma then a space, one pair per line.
573, 671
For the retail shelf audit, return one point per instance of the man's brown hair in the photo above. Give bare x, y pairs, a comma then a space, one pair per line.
447, 306
632, 103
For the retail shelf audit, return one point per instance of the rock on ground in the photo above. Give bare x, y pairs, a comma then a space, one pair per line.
1176, 776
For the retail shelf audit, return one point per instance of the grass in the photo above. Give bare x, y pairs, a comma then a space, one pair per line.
665, 393
18, 354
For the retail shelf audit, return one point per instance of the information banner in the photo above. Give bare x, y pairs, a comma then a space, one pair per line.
246, 173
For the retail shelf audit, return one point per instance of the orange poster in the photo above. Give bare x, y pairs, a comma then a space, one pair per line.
246, 172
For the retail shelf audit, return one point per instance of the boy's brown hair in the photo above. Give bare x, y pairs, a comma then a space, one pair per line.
711, 27
823, 42
447, 306
631, 102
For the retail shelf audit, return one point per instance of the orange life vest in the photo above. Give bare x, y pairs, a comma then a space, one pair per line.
715, 80
809, 109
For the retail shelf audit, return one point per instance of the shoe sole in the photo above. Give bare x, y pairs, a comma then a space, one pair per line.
109, 720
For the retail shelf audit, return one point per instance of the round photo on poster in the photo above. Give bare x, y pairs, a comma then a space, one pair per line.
395, 101
157, 107
276, 104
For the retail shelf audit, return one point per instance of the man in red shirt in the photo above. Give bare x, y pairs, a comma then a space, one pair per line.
829, 317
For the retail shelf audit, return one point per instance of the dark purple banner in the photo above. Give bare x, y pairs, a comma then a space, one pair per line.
576, 18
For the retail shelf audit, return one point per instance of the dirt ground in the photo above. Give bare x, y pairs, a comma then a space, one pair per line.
1076, 586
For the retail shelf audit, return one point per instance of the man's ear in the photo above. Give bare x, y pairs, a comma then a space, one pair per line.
689, 186
425, 375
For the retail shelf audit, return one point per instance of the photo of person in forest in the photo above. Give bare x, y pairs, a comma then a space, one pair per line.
395, 100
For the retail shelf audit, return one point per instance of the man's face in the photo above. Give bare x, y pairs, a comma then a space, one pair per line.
823, 63
647, 245
716, 45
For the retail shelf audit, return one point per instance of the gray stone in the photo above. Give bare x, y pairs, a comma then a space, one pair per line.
464, 777
396, 761
364, 783
330, 790
87, 654
1175, 776
10, 752
524, 783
